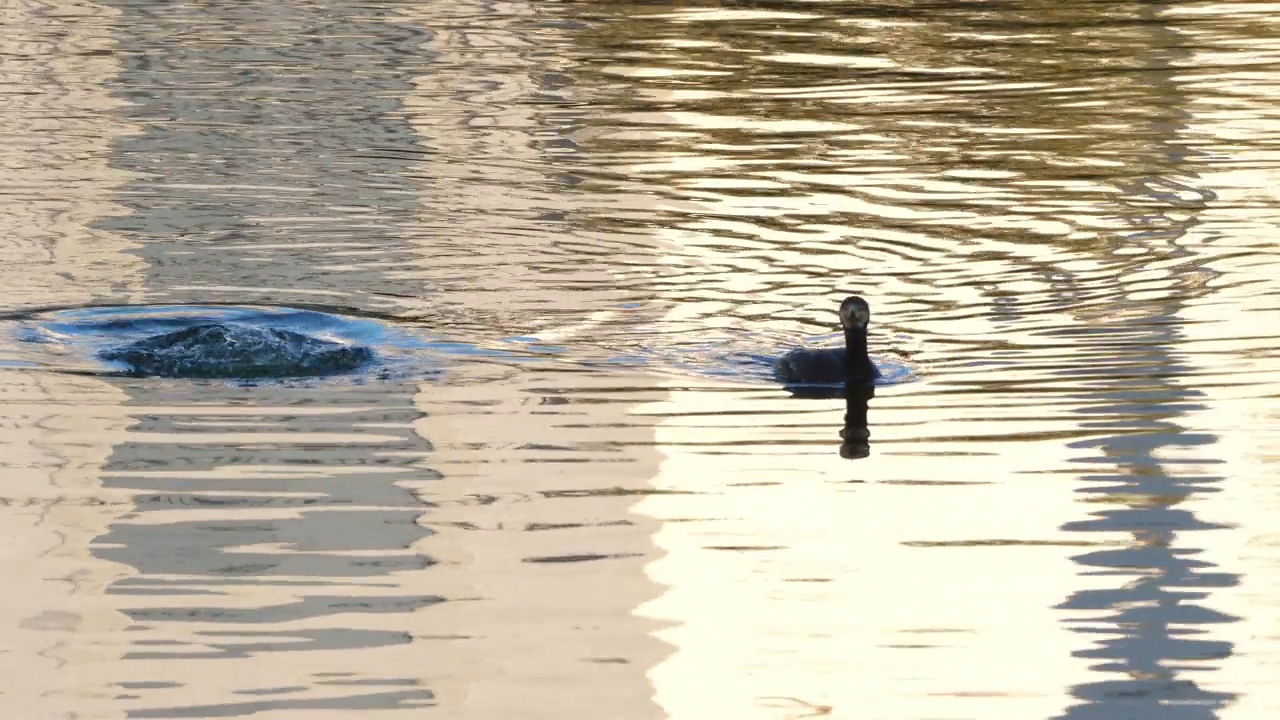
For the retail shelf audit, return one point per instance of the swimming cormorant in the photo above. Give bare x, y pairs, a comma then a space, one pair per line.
838, 365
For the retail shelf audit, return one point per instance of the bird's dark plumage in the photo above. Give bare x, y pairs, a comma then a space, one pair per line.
834, 366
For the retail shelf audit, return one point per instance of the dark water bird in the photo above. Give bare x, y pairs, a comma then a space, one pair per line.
838, 365
217, 350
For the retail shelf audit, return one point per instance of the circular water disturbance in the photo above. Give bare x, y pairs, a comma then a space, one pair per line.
221, 341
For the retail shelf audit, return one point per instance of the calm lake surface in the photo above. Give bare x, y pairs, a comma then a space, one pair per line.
592, 220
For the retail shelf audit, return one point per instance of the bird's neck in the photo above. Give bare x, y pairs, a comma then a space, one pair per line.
857, 364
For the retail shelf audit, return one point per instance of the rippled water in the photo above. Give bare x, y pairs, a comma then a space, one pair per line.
583, 229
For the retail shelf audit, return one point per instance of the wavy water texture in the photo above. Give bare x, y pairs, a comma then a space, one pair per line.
578, 233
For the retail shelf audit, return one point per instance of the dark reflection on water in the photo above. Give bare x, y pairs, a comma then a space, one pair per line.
1024, 190
855, 436
1155, 632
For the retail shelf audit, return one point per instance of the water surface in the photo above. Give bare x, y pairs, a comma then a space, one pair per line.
586, 228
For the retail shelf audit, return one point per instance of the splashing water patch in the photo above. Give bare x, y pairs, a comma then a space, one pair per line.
77, 339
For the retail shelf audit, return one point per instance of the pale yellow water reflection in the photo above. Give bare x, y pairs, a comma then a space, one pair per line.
596, 503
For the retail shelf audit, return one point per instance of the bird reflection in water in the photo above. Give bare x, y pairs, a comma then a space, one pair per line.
855, 437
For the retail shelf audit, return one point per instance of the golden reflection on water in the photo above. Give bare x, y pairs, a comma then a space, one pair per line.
1062, 214
1045, 234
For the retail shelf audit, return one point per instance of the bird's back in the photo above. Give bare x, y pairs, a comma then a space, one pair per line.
825, 366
